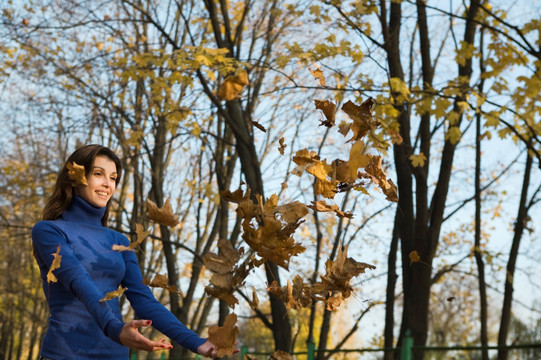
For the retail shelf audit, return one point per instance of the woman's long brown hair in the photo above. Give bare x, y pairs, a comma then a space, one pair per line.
64, 186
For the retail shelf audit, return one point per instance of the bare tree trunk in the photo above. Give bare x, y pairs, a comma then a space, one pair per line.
511, 262
477, 247
388, 333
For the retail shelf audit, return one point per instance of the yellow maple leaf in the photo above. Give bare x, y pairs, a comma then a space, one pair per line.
414, 257
224, 337
232, 86
77, 173
356, 159
54, 265
163, 215
113, 294
418, 160
318, 75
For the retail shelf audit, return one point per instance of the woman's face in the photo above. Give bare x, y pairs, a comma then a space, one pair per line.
101, 183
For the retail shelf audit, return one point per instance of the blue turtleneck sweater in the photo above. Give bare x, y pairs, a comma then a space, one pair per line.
80, 326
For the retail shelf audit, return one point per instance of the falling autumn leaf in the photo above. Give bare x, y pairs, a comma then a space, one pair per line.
414, 257
141, 235
282, 146
280, 355
114, 294
322, 206
161, 281
339, 273
122, 248
232, 86
362, 118
254, 304
163, 215
329, 110
374, 172
318, 75
226, 275
77, 173
224, 337
54, 265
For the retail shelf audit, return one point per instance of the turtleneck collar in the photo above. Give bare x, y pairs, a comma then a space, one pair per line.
82, 211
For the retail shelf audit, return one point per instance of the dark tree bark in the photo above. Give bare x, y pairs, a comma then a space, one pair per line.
520, 223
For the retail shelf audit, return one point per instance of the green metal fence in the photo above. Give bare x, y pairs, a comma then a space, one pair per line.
406, 351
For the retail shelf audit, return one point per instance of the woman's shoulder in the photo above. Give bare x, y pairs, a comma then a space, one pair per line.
119, 237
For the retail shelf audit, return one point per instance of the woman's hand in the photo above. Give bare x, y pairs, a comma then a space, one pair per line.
131, 337
210, 350
207, 349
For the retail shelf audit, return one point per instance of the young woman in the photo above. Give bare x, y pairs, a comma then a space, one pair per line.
80, 326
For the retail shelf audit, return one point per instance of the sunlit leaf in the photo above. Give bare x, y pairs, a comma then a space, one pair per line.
163, 215
77, 173
318, 75
224, 337
114, 294
54, 265
232, 86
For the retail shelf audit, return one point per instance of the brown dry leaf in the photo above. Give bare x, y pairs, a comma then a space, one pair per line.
224, 337
340, 272
362, 118
163, 215
232, 86
280, 355
329, 110
225, 260
161, 281
235, 197
333, 302
114, 294
54, 265
258, 125
414, 257
77, 173
226, 275
254, 304
222, 294
141, 235
282, 146
322, 206
318, 75
295, 295
374, 172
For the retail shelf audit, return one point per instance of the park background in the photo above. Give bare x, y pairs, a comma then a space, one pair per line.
201, 97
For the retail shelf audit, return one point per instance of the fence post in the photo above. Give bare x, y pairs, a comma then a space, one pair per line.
407, 345
311, 350
243, 351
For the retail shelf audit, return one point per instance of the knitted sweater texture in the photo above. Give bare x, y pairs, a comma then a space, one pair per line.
80, 326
